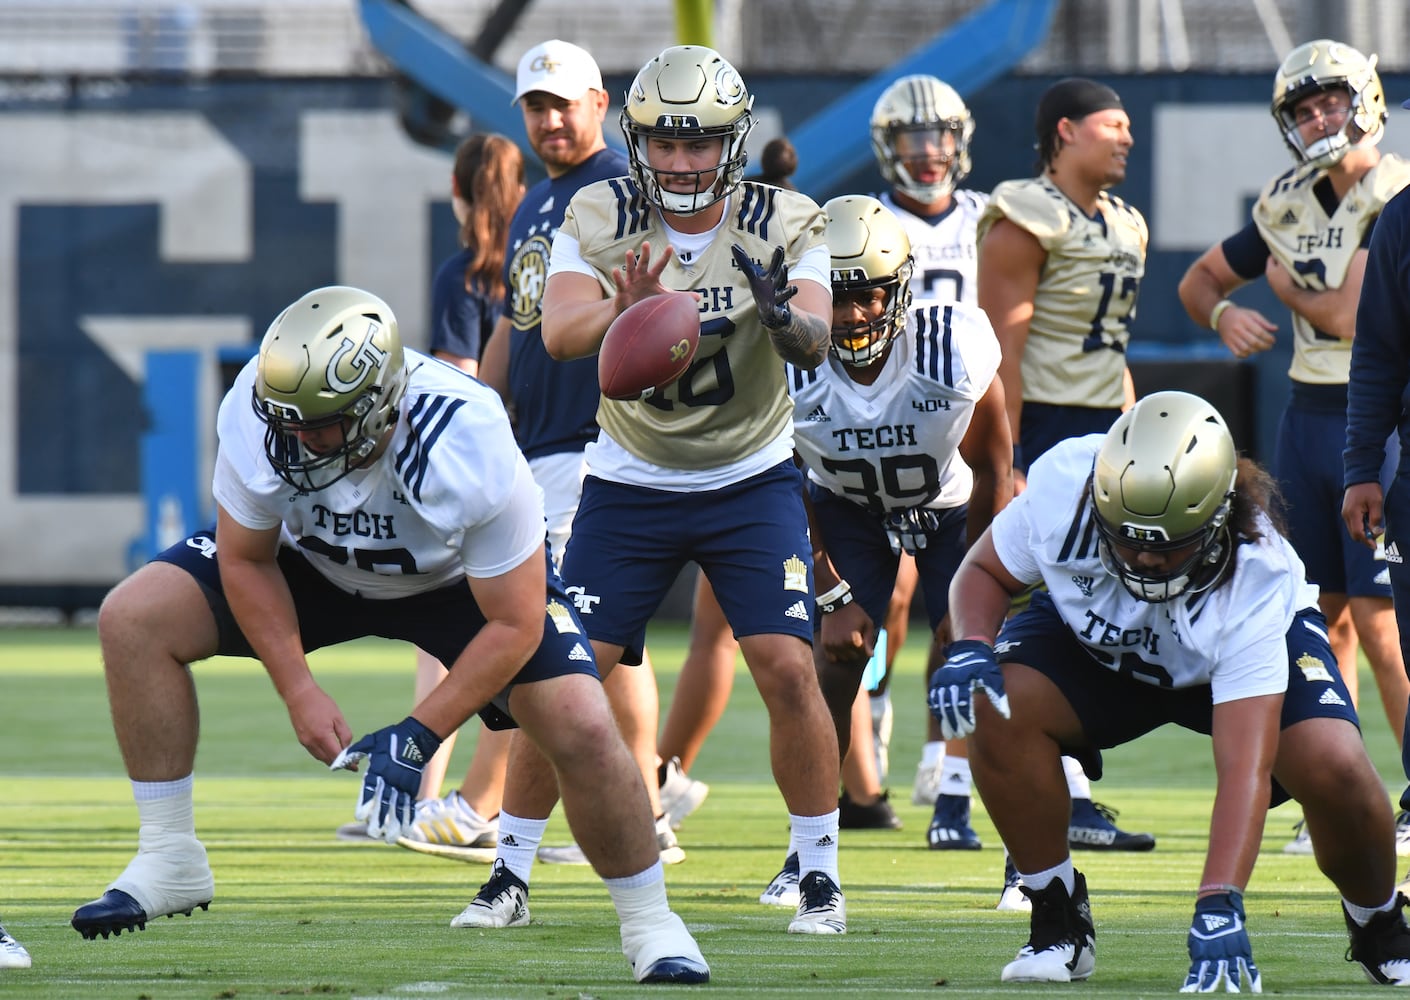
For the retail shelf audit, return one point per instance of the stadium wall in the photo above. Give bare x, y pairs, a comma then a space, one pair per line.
154, 227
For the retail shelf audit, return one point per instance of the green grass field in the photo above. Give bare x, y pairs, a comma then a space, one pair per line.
297, 913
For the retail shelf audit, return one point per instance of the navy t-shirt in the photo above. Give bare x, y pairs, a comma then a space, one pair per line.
555, 402
461, 320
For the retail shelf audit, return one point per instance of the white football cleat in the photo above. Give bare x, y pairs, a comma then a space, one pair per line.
822, 909
502, 902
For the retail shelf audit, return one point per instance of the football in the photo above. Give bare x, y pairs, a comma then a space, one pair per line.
649, 345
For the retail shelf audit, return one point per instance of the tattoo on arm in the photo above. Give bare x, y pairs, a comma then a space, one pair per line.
804, 341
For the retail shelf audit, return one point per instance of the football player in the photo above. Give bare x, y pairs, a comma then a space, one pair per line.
559, 90
1171, 596
1309, 234
703, 469
364, 489
1060, 265
905, 439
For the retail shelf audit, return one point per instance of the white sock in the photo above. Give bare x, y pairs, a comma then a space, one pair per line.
955, 778
1077, 784
930, 752
1064, 872
1363, 914
815, 839
640, 899
518, 845
165, 807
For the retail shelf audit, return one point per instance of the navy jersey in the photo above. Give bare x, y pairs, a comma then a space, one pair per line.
461, 320
555, 401
1380, 352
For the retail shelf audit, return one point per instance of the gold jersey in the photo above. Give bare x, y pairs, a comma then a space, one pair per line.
1317, 249
733, 399
1086, 295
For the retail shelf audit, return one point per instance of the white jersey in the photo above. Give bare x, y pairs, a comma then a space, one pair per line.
894, 445
451, 497
946, 250
1232, 636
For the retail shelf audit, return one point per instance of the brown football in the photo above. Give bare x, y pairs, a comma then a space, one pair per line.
649, 345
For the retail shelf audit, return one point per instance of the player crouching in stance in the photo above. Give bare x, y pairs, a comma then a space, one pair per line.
369, 491
1172, 596
906, 443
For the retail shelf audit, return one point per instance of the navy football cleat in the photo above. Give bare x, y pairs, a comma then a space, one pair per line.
116, 912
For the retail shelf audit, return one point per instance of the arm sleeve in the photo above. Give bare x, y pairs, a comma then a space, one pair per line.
1246, 252
1380, 361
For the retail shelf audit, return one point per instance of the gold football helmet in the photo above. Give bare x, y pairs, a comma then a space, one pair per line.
870, 250
919, 118
1322, 65
688, 92
332, 359
1163, 483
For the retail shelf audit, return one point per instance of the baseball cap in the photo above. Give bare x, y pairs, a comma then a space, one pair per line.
559, 68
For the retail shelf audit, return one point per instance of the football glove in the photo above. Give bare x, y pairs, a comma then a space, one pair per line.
909, 530
969, 664
396, 757
770, 287
1219, 947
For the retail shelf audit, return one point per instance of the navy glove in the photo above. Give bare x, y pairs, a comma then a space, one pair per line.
771, 288
969, 664
909, 530
1219, 947
398, 754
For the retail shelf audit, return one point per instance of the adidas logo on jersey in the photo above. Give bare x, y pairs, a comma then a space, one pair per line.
1393, 553
1330, 697
818, 416
580, 654
1085, 584
798, 611
1289, 218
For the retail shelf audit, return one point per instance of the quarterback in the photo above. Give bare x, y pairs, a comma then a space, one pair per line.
1171, 597
364, 489
703, 470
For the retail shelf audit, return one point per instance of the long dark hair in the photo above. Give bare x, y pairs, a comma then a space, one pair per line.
489, 177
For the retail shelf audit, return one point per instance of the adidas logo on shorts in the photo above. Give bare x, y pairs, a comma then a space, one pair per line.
797, 611
1330, 697
579, 653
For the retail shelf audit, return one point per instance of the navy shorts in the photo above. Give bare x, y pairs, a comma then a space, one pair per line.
1397, 541
1114, 708
1043, 425
629, 543
860, 552
1308, 465
442, 622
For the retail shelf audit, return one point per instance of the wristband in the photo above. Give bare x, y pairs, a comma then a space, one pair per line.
1217, 311
838, 597
980, 638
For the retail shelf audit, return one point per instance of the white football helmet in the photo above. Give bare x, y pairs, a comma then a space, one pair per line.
919, 117
870, 249
1164, 482
687, 92
333, 358
1323, 65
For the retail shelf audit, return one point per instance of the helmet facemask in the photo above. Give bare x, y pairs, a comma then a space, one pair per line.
870, 251
919, 117
1319, 67
1163, 484
332, 360
687, 93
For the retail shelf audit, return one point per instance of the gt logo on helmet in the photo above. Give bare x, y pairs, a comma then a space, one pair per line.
368, 358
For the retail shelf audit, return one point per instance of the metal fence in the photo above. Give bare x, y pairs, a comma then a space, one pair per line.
325, 37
